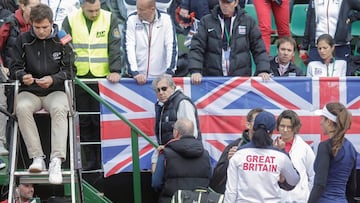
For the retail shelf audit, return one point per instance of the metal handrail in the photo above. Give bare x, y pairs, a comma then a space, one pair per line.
135, 131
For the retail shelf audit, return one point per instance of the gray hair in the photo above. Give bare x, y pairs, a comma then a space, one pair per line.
168, 78
184, 126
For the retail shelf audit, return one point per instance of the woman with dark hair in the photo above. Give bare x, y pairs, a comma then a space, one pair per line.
335, 163
258, 170
328, 66
302, 156
328, 17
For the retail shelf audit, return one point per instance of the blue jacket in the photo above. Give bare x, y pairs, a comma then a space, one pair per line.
334, 176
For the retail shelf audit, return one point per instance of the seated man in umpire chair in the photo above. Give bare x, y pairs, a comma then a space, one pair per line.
42, 64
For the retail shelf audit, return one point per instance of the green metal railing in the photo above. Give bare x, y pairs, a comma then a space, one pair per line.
134, 139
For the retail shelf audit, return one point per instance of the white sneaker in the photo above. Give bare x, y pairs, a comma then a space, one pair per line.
37, 165
55, 176
3, 151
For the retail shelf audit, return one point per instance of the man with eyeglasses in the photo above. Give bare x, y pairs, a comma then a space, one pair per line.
172, 104
42, 66
219, 177
301, 154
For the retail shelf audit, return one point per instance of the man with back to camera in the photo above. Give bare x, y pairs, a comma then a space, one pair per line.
183, 163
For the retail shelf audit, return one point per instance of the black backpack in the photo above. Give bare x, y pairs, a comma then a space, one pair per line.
198, 195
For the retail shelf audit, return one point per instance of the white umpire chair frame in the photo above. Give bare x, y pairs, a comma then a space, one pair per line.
68, 175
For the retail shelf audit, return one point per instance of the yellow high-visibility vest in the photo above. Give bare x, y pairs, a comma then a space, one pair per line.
91, 48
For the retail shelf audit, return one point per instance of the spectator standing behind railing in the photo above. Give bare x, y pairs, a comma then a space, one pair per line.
219, 177
282, 65
223, 44
302, 156
42, 66
328, 65
96, 38
328, 17
61, 9
150, 43
335, 162
281, 11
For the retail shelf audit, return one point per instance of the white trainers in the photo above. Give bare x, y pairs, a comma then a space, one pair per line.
3, 151
37, 165
55, 176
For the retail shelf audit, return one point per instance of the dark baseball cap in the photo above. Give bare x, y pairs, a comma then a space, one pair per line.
265, 120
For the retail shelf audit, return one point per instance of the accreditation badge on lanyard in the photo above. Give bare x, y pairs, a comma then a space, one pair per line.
227, 51
226, 61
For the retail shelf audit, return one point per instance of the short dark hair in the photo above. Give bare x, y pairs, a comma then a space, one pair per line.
293, 117
41, 12
87, 1
286, 39
249, 116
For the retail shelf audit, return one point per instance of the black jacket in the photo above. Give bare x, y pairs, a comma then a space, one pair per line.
219, 177
342, 33
41, 58
205, 54
187, 166
291, 69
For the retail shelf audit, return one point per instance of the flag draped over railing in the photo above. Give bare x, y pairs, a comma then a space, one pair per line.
222, 103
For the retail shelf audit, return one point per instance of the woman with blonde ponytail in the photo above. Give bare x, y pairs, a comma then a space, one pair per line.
335, 163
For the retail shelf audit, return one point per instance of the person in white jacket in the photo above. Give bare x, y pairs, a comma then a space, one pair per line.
61, 9
150, 42
301, 154
258, 171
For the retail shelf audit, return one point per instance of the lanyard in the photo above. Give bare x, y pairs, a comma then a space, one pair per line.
227, 34
57, 9
225, 30
333, 69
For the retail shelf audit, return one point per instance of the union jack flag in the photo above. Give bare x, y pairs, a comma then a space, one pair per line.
222, 106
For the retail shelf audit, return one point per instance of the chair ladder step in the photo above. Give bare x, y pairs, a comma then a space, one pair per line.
42, 180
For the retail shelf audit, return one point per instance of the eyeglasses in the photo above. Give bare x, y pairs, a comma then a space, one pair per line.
161, 89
